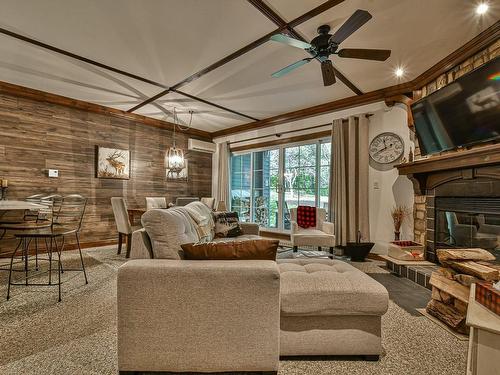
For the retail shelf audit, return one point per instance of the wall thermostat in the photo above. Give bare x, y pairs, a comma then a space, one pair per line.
53, 173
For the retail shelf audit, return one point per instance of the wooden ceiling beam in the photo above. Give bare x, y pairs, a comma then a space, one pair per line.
275, 18
115, 70
314, 12
267, 11
79, 58
212, 104
475, 45
288, 27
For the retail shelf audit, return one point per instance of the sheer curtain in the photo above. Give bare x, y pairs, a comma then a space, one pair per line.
223, 174
349, 179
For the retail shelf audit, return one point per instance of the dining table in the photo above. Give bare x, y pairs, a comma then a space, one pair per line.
8, 205
12, 205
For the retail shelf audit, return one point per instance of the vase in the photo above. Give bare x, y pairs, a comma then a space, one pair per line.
396, 235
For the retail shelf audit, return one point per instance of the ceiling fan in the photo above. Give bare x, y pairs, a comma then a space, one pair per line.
325, 44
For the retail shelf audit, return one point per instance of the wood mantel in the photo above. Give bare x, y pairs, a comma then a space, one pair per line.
448, 165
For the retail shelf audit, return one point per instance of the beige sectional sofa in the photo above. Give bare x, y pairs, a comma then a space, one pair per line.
236, 316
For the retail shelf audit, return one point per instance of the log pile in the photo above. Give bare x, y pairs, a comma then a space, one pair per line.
451, 283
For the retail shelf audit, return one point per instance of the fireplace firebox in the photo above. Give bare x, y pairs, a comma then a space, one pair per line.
467, 222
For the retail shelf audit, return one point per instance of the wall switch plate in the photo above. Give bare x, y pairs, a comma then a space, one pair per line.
53, 173
376, 185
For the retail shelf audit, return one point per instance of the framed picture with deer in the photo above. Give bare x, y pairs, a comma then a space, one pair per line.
113, 163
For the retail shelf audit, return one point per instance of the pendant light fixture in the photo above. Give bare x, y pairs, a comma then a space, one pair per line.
175, 156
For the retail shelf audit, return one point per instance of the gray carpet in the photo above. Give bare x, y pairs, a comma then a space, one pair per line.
38, 335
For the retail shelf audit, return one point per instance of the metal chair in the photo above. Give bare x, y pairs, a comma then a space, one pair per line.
66, 219
32, 219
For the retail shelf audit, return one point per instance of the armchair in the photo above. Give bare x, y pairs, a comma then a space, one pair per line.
323, 235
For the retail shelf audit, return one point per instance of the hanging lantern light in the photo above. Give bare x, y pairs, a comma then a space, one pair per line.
175, 156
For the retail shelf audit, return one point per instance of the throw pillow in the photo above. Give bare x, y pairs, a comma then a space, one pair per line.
227, 224
306, 217
232, 250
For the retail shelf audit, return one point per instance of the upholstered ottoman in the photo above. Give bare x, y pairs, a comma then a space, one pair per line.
328, 307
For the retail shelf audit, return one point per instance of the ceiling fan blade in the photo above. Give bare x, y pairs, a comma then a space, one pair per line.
358, 19
281, 38
328, 73
289, 68
366, 54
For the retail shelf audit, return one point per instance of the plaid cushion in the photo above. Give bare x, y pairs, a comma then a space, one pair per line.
306, 216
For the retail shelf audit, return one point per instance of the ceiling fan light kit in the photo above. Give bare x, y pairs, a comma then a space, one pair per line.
326, 44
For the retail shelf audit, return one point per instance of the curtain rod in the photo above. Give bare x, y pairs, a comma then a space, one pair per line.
287, 132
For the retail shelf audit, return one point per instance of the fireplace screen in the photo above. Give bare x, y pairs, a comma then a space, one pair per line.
468, 223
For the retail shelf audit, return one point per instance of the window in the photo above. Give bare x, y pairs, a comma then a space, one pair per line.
266, 184
241, 186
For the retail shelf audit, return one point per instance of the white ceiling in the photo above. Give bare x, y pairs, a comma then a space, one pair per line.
167, 41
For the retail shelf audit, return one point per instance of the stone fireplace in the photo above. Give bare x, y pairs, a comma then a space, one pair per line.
457, 202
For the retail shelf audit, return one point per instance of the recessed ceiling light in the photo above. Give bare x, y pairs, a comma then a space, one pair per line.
399, 72
482, 8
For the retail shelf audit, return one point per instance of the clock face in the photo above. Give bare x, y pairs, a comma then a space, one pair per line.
386, 148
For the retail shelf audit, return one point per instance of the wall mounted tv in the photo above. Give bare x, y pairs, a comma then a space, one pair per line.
465, 112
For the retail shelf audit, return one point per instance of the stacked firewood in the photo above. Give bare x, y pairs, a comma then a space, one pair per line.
451, 283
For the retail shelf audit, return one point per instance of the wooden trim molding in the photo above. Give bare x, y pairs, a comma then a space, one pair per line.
403, 99
352, 101
478, 43
469, 49
41, 96
282, 141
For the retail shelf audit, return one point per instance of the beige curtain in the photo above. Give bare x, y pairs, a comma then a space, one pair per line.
349, 179
223, 173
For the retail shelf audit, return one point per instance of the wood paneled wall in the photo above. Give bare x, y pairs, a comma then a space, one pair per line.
36, 136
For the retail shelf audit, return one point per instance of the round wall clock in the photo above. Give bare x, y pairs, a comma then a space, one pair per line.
386, 148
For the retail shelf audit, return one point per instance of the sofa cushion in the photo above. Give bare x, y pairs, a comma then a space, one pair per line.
227, 224
232, 250
312, 237
167, 230
312, 287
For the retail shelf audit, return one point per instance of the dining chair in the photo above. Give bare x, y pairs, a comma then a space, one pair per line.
155, 202
182, 201
122, 223
209, 202
66, 217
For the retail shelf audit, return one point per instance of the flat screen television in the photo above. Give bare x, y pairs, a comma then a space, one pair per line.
465, 112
